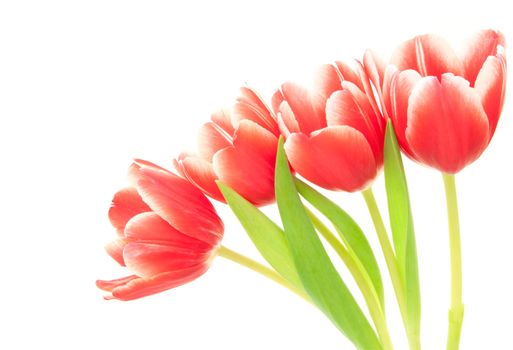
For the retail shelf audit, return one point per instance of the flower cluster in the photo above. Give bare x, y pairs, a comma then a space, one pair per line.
444, 107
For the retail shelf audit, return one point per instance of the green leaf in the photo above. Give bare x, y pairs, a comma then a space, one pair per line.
401, 222
318, 275
350, 233
268, 238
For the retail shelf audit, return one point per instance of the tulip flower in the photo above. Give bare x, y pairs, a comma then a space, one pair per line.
168, 233
445, 108
334, 130
237, 147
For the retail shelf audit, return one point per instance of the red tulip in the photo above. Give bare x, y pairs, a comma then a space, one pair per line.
444, 107
334, 130
238, 147
168, 233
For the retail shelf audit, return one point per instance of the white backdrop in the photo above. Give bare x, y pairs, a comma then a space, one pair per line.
87, 85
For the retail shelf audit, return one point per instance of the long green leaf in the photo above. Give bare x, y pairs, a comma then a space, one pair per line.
349, 231
318, 275
267, 237
401, 222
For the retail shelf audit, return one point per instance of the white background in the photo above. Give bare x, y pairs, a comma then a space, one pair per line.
87, 85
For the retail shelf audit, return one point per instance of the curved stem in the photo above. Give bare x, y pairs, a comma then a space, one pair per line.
261, 269
393, 269
456, 309
368, 291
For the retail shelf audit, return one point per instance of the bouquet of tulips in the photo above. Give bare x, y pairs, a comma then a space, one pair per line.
438, 107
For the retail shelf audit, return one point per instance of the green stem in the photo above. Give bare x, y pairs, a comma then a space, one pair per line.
391, 261
456, 310
261, 269
365, 285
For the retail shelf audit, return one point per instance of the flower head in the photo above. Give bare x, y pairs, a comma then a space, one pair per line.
334, 130
237, 147
445, 107
168, 233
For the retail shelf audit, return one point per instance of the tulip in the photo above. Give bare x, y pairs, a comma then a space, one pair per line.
444, 107
168, 233
334, 131
237, 147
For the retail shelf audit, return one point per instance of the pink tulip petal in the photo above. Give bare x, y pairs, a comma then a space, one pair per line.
390, 71
222, 118
479, 47
287, 122
147, 260
140, 287
367, 89
125, 204
115, 250
491, 86
134, 170
375, 68
371, 113
251, 98
401, 86
200, 173
276, 101
343, 108
284, 115
181, 204
447, 126
349, 74
305, 113
327, 81
336, 158
151, 228
211, 138
108, 286
263, 117
428, 55
248, 167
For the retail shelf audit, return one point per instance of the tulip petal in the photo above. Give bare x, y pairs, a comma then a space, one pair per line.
248, 166
326, 82
108, 286
115, 250
276, 101
125, 204
140, 287
336, 158
479, 47
147, 260
349, 74
151, 228
447, 125
343, 108
211, 138
390, 72
369, 92
491, 86
430, 55
286, 120
375, 69
370, 110
200, 173
254, 111
401, 86
181, 204
305, 113
222, 118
